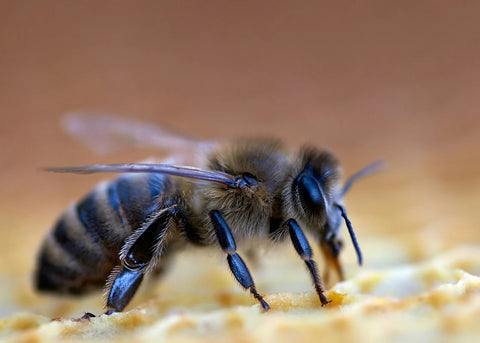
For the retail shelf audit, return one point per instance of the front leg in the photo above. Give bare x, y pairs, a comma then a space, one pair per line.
235, 262
303, 248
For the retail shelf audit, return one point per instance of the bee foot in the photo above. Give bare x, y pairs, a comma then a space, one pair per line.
85, 317
265, 305
257, 296
323, 299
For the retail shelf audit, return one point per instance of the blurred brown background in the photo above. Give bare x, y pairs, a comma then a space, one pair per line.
398, 81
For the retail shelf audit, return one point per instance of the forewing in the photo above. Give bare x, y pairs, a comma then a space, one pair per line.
169, 169
104, 133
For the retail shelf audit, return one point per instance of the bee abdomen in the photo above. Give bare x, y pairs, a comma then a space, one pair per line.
84, 244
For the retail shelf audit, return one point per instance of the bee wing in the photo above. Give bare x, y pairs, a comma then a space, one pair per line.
170, 169
104, 133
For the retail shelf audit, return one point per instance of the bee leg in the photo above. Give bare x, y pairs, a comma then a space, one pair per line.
235, 262
85, 317
124, 288
137, 254
303, 248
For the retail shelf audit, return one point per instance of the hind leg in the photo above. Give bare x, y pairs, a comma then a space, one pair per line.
140, 254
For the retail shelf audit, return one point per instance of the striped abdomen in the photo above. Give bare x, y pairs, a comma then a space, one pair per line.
83, 247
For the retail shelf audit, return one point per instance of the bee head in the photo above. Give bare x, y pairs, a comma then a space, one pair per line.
314, 195
314, 186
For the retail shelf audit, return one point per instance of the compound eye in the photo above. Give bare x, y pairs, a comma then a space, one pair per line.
311, 195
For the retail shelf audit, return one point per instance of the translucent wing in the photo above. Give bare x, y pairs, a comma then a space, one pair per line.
104, 133
182, 171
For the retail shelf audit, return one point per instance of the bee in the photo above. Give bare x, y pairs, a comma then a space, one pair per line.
246, 190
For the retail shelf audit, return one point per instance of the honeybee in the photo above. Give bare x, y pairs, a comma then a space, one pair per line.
234, 192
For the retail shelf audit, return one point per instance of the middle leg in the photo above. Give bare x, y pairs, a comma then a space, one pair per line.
235, 262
